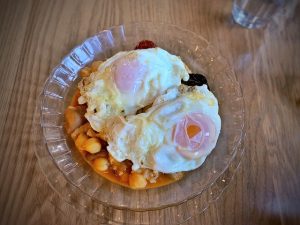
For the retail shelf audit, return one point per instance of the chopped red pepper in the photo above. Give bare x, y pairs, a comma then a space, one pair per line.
145, 44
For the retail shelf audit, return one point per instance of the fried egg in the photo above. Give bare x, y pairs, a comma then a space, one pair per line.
127, 82
175, 134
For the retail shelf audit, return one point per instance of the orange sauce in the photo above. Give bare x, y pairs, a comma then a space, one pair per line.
162, 180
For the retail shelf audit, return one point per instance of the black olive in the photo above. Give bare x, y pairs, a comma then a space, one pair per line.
196, 79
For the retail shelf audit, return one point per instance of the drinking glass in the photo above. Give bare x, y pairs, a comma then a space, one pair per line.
254, 13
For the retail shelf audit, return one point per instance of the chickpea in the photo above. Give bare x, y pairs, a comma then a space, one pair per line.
101, 164
92, 145
102, 154
73, 119
92, 133
80, 141
82, 129
137, 181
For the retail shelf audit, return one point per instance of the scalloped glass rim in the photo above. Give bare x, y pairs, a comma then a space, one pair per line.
70, 176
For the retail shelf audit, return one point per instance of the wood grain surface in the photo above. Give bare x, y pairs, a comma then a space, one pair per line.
36, 34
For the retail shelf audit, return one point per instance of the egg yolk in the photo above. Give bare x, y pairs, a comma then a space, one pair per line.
129, 75
192, 130
188, 133
193, 133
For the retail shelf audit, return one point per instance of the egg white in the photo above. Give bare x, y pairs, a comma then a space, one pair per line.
146, 138
105, 101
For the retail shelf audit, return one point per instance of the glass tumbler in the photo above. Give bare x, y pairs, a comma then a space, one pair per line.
254, 13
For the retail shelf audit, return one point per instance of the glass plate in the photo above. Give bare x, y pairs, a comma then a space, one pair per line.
80, 186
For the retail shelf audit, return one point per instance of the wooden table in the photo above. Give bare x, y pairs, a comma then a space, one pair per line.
35, 35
